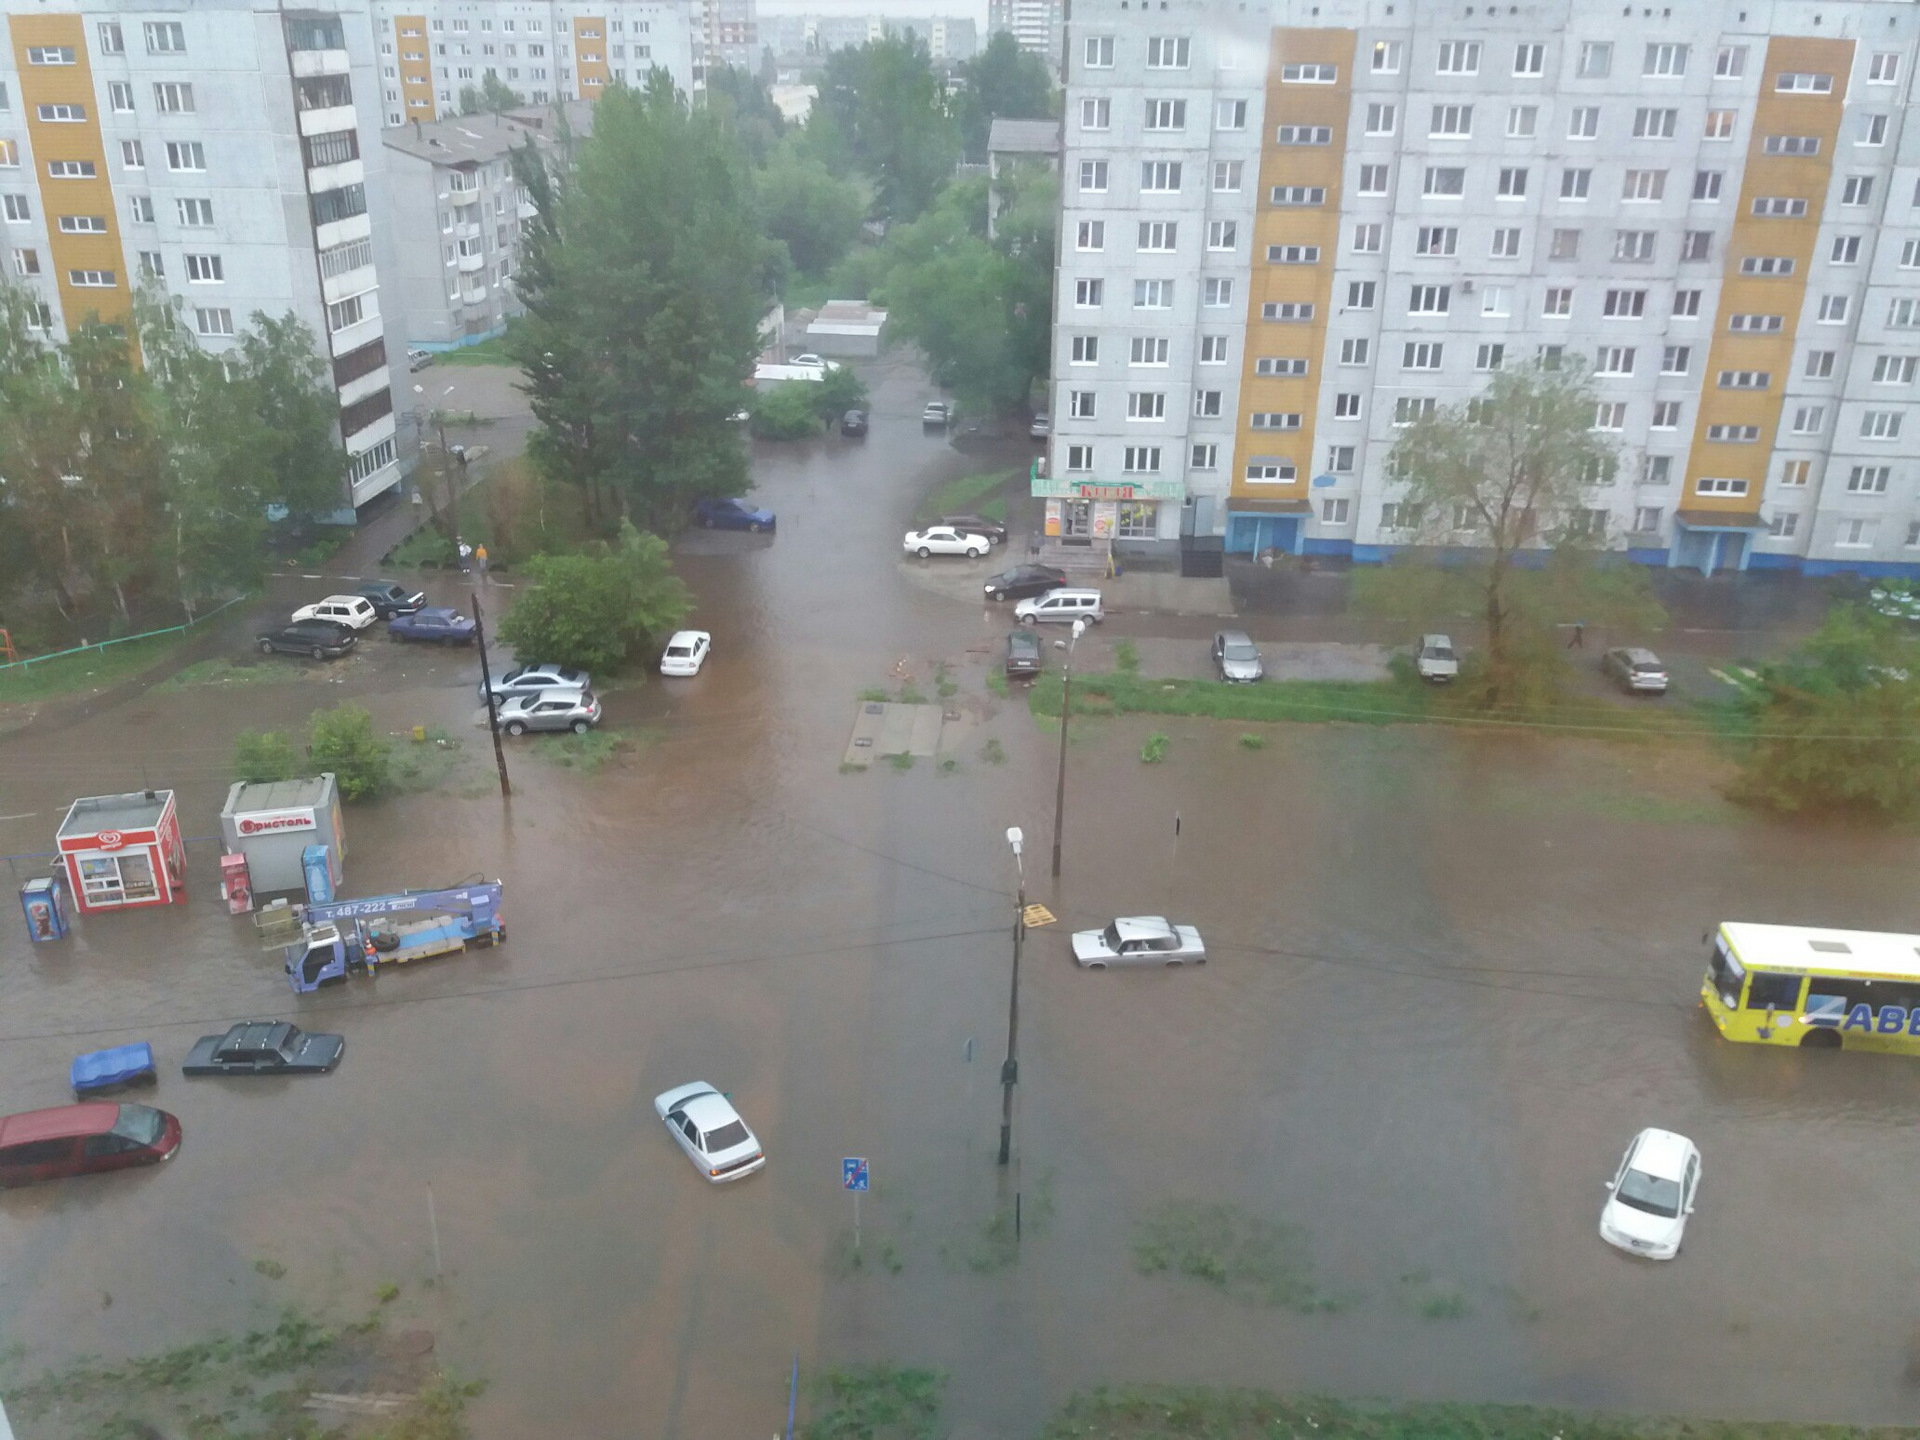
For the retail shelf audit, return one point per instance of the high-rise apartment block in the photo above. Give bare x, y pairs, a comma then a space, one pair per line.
1036, 24
226, 150
545, 50
1292, 226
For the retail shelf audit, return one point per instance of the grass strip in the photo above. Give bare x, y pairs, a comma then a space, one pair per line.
89, 670
966, 495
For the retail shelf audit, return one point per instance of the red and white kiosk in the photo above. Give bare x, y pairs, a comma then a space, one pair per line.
123, 851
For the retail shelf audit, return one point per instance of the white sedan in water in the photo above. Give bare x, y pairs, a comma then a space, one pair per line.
686, 652
945, 540
1139, 940
710, 1130
1651, 1195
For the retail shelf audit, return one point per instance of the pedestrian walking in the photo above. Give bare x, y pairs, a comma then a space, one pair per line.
466, 555
1578, 640
480, 560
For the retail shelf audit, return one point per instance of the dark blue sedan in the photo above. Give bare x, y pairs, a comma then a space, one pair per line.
732, 515
436, 622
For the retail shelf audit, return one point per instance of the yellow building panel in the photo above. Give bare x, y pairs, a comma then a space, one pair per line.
1786, 177
415, 65
1309, 100
71, 140
590, 55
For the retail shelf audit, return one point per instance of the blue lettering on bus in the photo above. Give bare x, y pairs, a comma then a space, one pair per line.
1860, 1017
1892, 1019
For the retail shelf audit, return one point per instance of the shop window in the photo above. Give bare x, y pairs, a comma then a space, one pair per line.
1137, 520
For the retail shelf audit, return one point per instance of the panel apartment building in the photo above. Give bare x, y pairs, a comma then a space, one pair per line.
1288, 228
228, 150
546, 50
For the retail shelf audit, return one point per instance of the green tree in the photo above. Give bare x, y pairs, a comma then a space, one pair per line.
35, 450
263, 755
882, 111
342, 740
1498, 496
1836, 727
1001, 82
741, 105
639, 330
806, 207
492, 96
842, 390
786, 410
590, 610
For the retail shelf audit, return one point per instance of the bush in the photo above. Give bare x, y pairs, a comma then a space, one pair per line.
342, 740
840, 392
263, 755
787, 411
590, 610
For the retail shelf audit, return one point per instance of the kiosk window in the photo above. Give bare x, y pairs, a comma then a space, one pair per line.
1771, 991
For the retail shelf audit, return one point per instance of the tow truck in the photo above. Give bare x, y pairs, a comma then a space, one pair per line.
356, 937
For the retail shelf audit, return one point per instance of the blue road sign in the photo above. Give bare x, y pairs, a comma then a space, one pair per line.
853, 1173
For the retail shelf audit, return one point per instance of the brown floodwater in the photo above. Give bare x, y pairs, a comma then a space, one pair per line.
1450, 977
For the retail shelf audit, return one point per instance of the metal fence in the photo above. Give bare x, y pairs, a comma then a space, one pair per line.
21, 666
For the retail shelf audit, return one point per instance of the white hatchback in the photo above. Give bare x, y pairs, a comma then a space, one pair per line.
1651, 1195
710, 1130
686, 652
354, 611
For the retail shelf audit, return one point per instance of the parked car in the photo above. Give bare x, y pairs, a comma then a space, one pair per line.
1065, 604
1435, 660
101, 1072
813, 361
83, 1139
264, 1047
390, 598
575, 710
686, 652
936, 415
945, 540
977, 525
1023, 655
1651, 1195
854, 422
732, 515
436, 623
419, 359
1042, 426
1139, 940
1024, 580
704, 1123
320, 639
537, 680
356, 612
1636, 671
1235, 658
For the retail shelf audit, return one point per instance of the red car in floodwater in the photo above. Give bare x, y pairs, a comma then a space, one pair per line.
83, 1139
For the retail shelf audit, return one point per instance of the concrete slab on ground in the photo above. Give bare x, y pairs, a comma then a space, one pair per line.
883, 728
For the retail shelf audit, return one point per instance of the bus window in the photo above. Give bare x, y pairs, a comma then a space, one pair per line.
1726, 974
1770, 991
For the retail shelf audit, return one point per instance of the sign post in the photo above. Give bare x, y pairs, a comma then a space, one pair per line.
853, 1176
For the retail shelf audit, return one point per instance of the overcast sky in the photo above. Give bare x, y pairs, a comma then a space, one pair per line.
976, 10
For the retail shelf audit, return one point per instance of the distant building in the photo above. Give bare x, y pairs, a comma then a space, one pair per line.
1012, 144
731, 33
806, 40
1036, 24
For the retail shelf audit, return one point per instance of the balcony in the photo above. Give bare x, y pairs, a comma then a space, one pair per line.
339, 232
528, 210
469, 231
308, 63
333, 177
463, 188
328, 120
368, 384
335, 288
470, 263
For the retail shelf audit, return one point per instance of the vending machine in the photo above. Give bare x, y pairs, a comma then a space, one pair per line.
236, 884
44, 902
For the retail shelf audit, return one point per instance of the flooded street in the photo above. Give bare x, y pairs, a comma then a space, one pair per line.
1451, 975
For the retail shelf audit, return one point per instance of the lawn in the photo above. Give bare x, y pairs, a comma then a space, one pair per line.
93, 669
969, 495
487, 352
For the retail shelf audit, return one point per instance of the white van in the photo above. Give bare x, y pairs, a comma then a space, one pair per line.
1063, 604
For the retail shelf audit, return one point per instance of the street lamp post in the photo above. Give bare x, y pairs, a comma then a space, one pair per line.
1066, 709
1010, 1072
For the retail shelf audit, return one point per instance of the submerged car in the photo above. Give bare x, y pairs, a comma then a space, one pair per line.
318, 639
732, 515
264, 1047
1023, 655
83, 1139
854, 422
1651, 1195
936, 415
1435, 661
1235, 658
575, 710
945, 540
390, 598
436, 623
1139, 940
705, 1125
1636, 671
686, 652
1023, 581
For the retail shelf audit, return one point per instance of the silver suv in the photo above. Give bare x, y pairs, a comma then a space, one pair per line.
575, 710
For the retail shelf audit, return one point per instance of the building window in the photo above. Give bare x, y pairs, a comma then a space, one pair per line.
1346, 405
1080, 404
83, 224
112, 40
1091, 235
185, 155
1157, 235
1303, 135
1213, 349
1096, 114
92, 279
1270, 470
1381, 118
1575, 184
1788, 82
1883, 68
1869, 479
1564, 246
1686, 304
1226, 177
61, 114
1858, 190
1166, 115
50, 55
1719, 485
1633, 244
1436, 240
1665, 62
1222, 234
1873, 130
1523, 121
1655, 470
1845, 250
1894, 369
1368, 238
1361, 293
26, 262
1706, 185
1610, 415
1146, 405
1696, 245
1087, 294
1489, 357
1446, 181
173, 98
1230, 115
1803, 145
1421, 355
1373, 180
165, 37
1098, 52
347, 312
1341, 459
1297, 196
1293, 254
1506, 243
215, 320
1652, 123
56, 169
1730, 63
1530, 58
1451, 122
1386, 57
1773, 265
140, 208
1206, 403
1666, 415
1720, 124
1217, 293
1159, 176
1746, 380
1148, 350
1833, 309
1310, 74
1400, 515
1093, 177
1458, 57
1409, 408
1140, 459
1079, 457
1644, 185
1855, 534
1335, 512
1287, 311
1881, 424
1795, 474
1557, 304
1204, 456
1782, 524
1355, 352
1676, 359
1614, 360
1513, 184
1167, 52
1276, 420
1596, 60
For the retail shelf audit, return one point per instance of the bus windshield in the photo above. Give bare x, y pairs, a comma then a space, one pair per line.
1726, 974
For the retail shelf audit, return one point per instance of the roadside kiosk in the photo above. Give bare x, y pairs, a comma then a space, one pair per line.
123, 851
277, 823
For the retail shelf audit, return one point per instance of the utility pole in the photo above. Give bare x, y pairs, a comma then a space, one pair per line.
1010, 1072
1066, 709
493, 705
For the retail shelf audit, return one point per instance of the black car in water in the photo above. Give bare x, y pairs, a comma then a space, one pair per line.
264, 1047
1023, 581
1023, 655
390, 598
854, 422
321, 639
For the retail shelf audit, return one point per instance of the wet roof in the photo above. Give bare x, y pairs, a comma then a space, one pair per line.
468, 140
1034, 137
89, 1118
279, 794
139, 810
